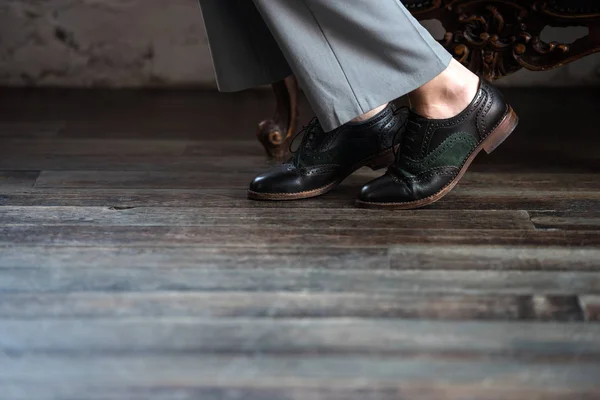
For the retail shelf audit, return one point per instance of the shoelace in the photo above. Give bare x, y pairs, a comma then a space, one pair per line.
311, 128
410, 134
309, 131
396, 112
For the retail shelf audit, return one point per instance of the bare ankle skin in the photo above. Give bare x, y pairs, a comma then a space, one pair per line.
370, 114
446, 95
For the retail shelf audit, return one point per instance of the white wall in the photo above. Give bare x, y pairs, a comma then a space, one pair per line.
132, 43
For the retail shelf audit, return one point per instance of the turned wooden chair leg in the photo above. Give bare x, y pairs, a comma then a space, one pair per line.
275, 134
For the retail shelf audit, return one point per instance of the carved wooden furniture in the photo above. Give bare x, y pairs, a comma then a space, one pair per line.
493, 38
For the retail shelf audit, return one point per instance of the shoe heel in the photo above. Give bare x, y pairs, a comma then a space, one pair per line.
503, 131
381, 161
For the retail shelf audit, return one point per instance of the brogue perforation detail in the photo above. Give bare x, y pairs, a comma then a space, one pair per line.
446, 123
483, 112
419, 178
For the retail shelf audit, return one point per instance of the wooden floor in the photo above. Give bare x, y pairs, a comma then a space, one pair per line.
132, 266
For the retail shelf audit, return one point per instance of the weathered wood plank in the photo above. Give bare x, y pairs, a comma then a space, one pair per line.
298, 276
403, 257
220, 257
230, 377
562, 258
127, 162
590, 306
347, 218
228, 149
165, 179
573, 220
195, 179
304, 335
30, 129
57, 147
130, 155
342, 197
144, 179
283, 236
291, 305
18, 180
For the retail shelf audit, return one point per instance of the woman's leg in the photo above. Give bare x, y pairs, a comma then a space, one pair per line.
353, 56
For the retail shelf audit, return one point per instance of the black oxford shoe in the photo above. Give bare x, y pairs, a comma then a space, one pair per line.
435, 154
325, 159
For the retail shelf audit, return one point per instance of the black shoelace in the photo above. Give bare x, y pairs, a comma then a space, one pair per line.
396, 112
309, 132
410, 135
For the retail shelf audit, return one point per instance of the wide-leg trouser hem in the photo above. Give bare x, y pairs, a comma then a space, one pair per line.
349, 57
352, 56
244, 52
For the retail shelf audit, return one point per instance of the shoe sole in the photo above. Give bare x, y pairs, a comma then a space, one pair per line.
376, 162
489, 144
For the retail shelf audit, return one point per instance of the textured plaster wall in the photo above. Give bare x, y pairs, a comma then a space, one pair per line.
131, 43
103, 43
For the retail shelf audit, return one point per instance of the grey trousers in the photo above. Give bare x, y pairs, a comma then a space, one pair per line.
349, 56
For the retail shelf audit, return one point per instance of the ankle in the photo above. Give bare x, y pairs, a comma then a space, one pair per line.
446, 95
370, 114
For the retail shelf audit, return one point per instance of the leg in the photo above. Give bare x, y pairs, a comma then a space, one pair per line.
350, 63
276, 134
351, 57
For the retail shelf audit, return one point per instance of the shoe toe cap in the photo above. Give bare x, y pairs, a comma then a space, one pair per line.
384, 190
280, 179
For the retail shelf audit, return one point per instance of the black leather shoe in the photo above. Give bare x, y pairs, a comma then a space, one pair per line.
435, 154
324, 159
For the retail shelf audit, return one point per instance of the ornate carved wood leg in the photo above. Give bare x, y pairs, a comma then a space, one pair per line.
275, 134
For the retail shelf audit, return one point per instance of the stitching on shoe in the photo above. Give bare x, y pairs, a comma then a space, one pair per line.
449, 141
480, 122
497, 123
426, 174
445, 123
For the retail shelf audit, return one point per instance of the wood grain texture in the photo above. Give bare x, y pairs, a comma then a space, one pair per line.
460, 199
18, 180
221, 179
58, 154
300, 377
292, 305
30, 129
133, 267
590, 306
351, 219
352, 271
57, 147
305, 335
403, 257
283, 236
574, 220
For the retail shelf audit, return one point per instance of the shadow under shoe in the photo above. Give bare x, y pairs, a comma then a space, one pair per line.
435, 154
325, 159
